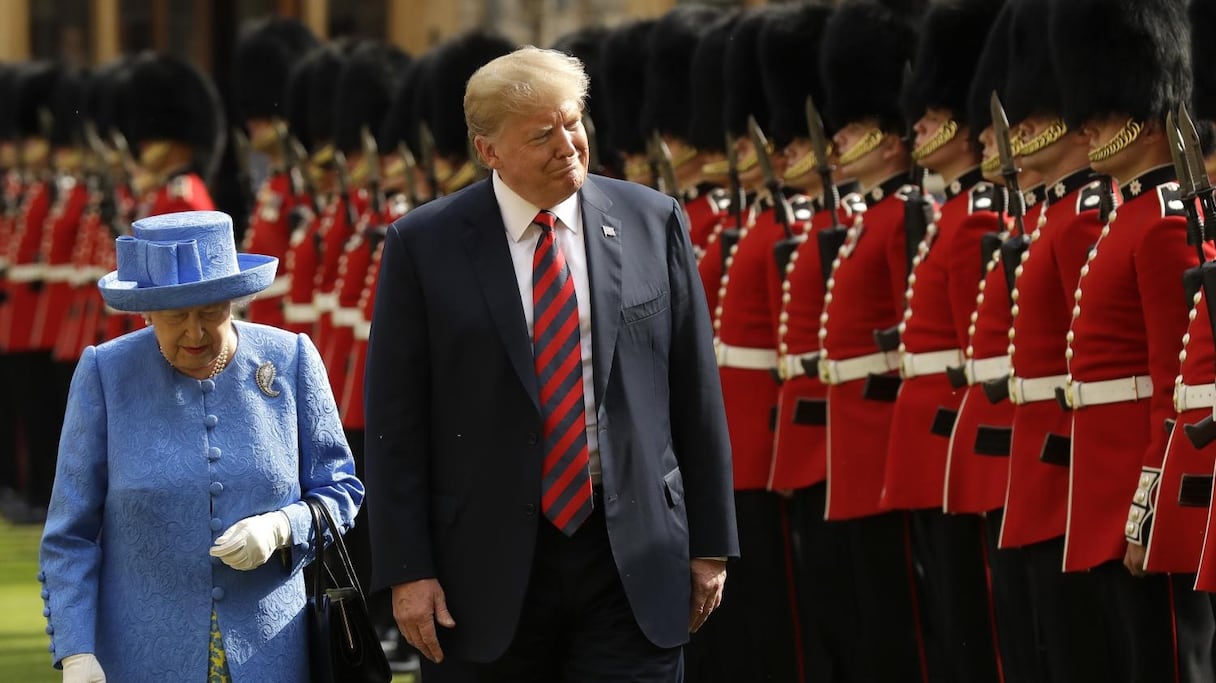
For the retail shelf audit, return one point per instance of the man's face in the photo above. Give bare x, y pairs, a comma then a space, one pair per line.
845, 139
1100, 132
927, 128
541, 156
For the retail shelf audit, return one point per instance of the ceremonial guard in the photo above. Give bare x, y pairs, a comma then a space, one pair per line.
864, 51
11, 185
1127, 325
311, 97
624, 56
789, 52
30, 364
265, 53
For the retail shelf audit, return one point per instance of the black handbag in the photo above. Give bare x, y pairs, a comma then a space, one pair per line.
344, 647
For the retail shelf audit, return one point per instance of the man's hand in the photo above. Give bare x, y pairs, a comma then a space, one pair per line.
417, 605
708, 579
1134, 560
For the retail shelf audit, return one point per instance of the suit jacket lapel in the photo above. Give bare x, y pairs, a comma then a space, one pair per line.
602, 234
485, 238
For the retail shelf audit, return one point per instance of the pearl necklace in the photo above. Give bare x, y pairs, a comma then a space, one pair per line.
221, 361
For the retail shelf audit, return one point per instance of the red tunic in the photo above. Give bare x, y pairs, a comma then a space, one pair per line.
299, 311
1129, 322
334, 231
269, 234
800, 448
866, 294
747, 319
940, 298
24, 271
351, 403
1036, 499
1177, 534
83, 323
704, 213
58, 243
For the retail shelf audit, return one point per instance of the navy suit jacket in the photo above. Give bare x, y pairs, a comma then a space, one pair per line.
454, 429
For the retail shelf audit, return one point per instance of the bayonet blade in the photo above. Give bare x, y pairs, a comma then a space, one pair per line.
593, 150
1177, 154
1004, 146
1193, 152
661, 155
819, 140
761, 145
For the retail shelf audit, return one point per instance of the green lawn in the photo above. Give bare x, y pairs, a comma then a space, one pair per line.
23, 654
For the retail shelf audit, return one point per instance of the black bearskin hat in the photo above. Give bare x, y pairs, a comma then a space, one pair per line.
165, 98
103, 95
624, 55
401, 120
952, 36
1031, 85
586, 44
8, 93
34, 85
455, 62
365, 90
312, 94
992, 72
789, 61
744, 85
667, 106
706, 131
1121, 57
264, 55
866, 45
68, 108
1203, 56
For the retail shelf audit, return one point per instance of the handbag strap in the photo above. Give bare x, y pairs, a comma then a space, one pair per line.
321, 518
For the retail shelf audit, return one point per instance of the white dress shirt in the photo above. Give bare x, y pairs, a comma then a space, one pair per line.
522, 236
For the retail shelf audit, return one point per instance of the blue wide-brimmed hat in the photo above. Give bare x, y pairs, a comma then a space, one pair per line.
179, 260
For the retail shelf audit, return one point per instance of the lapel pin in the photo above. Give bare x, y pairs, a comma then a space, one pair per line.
609, 231
265, 379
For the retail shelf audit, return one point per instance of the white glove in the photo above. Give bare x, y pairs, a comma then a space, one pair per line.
82, 668
251, 541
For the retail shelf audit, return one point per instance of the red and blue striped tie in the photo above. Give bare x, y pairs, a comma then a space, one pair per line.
565, 475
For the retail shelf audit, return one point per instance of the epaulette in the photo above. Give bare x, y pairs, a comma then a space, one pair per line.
1170, 196
66, 183
719, 199
179, 187
907, 192
853, 203
269, 204
1089, 197
983, 196
802, 207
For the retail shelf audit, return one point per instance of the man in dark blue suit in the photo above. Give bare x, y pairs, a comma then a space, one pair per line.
547, 461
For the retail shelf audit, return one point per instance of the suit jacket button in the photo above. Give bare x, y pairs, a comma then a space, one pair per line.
530, 510
532, 438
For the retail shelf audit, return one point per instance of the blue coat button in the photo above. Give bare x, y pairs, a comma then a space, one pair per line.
51, 648
216, 524
216, 488
50, 630
217, 593
213, 454
208, 386
46, 594
42, 577
211, 420
46, 611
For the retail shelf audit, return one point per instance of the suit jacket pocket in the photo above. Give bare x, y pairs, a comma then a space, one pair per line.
651, 307
673, 484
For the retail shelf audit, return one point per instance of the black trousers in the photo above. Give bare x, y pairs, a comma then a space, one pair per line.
887, 640
1014, 612
949, 551
1073, 633
576, 625
753, 634
825, 587
10, 398
1162, 628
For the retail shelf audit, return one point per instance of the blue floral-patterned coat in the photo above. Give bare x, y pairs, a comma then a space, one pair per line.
153, 467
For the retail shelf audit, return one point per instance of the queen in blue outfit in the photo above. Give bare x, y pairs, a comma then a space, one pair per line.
187, 447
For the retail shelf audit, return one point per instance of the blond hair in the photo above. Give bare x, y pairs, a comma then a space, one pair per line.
521, 82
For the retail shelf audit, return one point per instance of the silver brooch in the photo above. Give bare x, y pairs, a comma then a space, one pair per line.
265, 379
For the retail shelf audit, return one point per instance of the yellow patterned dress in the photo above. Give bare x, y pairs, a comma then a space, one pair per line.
217, 659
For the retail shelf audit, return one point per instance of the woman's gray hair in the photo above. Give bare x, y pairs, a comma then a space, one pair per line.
525, 81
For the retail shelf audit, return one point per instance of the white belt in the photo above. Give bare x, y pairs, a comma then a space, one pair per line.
280, 286
931, 363
1082, 394
363, 330
325, 302
792, 365
1023, 390
63, 272
299, 313
745, 358
840, 371
347, 317
1188, 397
987, 369
25, 272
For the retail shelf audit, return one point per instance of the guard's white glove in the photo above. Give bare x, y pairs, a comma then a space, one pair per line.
82, 668
251, 541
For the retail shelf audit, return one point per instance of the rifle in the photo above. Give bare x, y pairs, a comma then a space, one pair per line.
593, 150
426, 144
371, 157
1198, 197
344, 187
660, 157
106, 185
830, 239
729, 237
240, 144
301, 182
407, 158
782, 210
